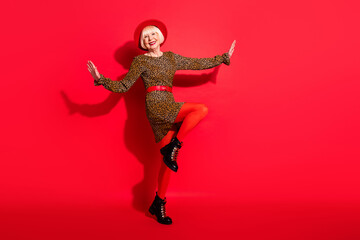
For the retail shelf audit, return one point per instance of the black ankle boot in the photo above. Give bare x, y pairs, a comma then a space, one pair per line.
170, 152
157, 208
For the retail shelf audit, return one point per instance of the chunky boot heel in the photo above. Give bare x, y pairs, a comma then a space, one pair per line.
157, 208
170, 153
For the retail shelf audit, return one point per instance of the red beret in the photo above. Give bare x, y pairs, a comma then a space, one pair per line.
146, 23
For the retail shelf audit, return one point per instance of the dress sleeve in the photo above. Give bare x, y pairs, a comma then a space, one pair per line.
186, 63
124, 85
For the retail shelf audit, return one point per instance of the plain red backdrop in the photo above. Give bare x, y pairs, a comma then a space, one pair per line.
283, 120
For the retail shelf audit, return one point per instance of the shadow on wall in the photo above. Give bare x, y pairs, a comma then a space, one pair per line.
139, 138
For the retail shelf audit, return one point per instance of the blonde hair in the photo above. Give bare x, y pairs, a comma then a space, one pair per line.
147, 30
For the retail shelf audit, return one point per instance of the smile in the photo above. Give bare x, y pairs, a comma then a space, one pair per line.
152, 43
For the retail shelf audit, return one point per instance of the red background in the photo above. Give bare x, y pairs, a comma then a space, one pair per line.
283, 122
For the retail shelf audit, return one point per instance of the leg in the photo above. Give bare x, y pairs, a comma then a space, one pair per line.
165, 172
157, 208
190, 115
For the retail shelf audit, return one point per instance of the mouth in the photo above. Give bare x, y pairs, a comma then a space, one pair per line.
152, 43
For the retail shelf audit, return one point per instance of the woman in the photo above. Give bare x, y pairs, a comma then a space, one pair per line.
169, 120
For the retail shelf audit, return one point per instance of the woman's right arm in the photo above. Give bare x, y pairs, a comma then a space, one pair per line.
124, 85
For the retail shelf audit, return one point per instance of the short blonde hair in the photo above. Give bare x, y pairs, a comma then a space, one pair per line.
150, 29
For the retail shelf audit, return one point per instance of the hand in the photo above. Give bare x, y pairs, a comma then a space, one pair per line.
232, 48
93, 70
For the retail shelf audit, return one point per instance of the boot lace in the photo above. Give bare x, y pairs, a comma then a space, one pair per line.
174, 154
162, 209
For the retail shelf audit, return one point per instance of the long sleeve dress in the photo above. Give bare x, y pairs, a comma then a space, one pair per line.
161, 108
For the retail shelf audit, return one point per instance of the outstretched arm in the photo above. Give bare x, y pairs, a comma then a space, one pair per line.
117, 86
186, 63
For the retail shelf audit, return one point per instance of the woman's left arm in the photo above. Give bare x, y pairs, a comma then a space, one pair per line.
186, 63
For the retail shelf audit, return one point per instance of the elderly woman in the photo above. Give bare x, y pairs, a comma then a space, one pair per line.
169, 120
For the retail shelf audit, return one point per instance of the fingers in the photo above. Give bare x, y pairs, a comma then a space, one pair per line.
231, 50
233, 45
93, 70
91, 64
91, 67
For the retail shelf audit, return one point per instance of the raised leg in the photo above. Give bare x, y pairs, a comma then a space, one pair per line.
190, 115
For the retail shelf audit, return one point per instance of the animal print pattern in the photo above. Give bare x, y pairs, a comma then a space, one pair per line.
161, 108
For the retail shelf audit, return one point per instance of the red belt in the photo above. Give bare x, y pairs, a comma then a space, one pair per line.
159, 88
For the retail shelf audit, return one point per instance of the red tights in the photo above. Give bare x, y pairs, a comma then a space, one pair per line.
190, 115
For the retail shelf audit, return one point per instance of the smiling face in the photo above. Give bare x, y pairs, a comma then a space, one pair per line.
151, 38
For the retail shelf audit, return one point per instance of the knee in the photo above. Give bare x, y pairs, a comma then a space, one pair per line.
203, 109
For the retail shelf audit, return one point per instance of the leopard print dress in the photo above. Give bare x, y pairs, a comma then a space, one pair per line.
161, 108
